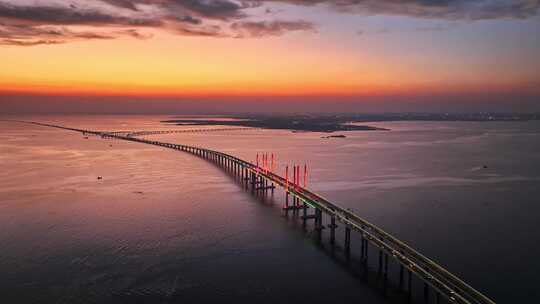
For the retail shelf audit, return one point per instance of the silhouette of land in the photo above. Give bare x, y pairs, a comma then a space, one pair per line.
341, 122
296, 123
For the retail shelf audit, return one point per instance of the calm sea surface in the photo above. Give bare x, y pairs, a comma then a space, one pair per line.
162, 226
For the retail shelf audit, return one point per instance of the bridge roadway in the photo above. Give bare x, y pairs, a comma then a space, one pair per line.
158, 132
444, 283
163, 132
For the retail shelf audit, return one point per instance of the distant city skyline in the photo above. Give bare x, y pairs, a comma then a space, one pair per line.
160, 56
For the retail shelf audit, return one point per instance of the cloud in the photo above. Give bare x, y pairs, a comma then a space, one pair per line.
374, 32
30, 35
29, 42
270, 28
220, 18
435, 9
434, 28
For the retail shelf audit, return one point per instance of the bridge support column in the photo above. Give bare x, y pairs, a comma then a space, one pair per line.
333, 231
318, 223
287, 202
426, 293
362, 245
438, 298
347, 241
253, 181
409, 282
379, 272
401, 277
366, 255
304, 217
385, 275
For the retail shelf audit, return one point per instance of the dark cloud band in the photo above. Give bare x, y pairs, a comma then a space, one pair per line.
218, 18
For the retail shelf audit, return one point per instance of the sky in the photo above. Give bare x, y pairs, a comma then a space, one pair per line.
269, 55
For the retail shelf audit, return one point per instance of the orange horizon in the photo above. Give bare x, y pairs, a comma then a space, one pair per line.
277, 91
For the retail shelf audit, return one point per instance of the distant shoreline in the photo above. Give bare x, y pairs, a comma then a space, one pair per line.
296, 124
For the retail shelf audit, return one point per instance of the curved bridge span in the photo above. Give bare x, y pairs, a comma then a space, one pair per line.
446, 286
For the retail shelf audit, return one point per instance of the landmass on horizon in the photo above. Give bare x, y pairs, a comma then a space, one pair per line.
339, 122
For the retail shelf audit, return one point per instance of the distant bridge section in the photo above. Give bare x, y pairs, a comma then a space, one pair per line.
163, 132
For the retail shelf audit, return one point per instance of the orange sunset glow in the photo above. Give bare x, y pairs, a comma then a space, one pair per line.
294, 50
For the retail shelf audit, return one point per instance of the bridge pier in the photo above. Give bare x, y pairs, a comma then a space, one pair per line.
253, 180
385, 275
366, 255
333, 227
347, 241
304, 217
318, 223
409, 290
379, 272
426, 293
362, 244
401, 276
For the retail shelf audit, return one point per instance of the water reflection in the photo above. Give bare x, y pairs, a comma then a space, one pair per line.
165, 226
